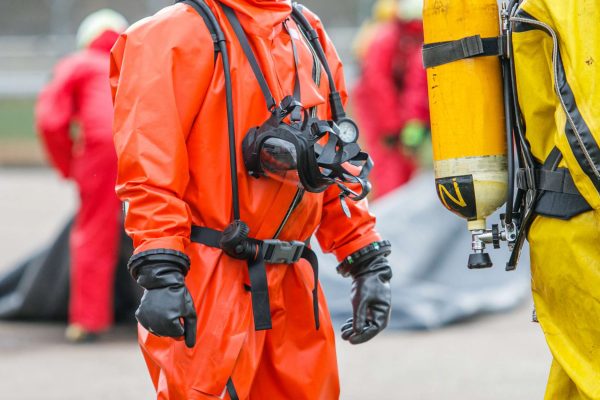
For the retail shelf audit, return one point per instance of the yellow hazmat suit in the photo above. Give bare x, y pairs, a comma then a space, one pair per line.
557, 60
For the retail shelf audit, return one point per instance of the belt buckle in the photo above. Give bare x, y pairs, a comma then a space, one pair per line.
280, 252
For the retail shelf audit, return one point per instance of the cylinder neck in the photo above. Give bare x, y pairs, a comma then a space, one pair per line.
476, 225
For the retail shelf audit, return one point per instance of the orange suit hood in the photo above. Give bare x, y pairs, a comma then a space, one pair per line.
261, 17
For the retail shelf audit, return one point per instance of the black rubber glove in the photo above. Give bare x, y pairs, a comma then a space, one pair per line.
166, 301
371, 298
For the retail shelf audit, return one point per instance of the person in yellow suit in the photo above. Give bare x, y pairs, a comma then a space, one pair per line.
557, 63
551, 67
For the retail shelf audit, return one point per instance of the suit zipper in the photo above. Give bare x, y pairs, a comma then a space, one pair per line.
295, 202
300, 192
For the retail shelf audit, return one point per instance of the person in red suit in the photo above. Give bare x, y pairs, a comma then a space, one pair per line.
390, 99
74, 119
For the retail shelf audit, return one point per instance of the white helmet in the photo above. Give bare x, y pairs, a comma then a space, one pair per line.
410, 10
97, 23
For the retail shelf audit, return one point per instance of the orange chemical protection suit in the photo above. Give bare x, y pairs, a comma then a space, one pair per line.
171, 138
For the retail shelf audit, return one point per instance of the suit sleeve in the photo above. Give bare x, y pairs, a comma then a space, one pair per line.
54, 112
160, 72
337, 233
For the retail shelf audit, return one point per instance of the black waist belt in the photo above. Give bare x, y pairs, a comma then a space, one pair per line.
557, 181
269, 252
559, 196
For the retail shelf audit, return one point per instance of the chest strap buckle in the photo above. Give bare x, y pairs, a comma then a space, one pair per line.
280, 252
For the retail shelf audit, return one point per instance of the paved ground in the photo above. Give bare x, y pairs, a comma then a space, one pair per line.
493, 358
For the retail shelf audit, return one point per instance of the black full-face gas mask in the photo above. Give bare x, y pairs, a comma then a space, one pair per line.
310, 153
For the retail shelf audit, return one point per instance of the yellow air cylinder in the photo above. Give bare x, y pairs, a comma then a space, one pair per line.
467, 115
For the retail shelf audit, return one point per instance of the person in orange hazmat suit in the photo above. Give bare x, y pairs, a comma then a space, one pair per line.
232, 308
79, 93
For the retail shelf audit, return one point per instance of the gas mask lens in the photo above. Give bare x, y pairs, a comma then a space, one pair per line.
278, 159
278, 155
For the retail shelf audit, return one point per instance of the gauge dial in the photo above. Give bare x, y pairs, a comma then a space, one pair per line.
348, 130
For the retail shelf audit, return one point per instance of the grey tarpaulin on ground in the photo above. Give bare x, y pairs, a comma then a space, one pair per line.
432, 286
38, 288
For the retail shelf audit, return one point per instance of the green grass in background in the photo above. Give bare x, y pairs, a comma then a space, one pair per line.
16, 119
19, 145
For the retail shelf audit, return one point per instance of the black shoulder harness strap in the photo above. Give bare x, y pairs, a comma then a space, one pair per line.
211, 24
250, 56
435, 54
335, 99
243, 40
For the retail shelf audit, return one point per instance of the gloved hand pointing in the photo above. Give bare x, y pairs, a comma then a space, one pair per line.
166, 301
371, 294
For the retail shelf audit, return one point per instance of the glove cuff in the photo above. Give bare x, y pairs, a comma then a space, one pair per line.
360, 260
378, 265
158, 256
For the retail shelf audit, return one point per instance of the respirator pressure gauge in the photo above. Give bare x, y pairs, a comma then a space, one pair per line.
348, 130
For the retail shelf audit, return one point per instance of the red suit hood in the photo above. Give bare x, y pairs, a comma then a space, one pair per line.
105, 41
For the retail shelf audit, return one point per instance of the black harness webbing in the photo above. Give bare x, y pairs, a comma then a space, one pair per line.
231, 390
218, 38
296, 115
559, 196
208, 22
270, 251
435, 54
243, 39
249, 53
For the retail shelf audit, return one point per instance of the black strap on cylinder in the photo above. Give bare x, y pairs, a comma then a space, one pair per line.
258, 277
440, 53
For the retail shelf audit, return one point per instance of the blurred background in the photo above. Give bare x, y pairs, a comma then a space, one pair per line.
455, 334
34, 34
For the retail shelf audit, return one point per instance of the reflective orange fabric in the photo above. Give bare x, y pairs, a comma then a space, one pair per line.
171, 138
